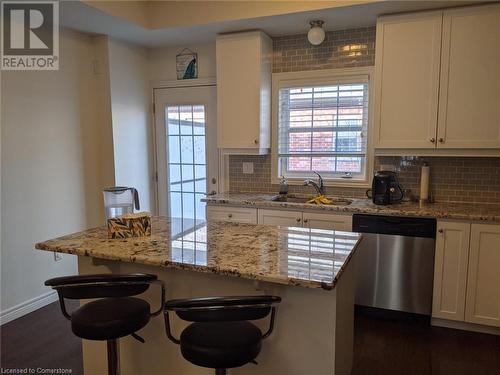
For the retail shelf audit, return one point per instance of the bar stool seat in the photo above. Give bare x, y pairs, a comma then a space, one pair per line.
110, 318
220, 335
221, 344
113, 313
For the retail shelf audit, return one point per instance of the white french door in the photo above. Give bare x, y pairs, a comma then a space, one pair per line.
186, 151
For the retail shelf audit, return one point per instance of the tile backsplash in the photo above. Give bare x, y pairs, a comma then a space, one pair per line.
458, 179
453, 179
340, 49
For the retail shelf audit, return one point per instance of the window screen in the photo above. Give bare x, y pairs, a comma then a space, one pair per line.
323, 128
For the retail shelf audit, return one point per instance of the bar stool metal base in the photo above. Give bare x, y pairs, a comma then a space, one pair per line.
220, 371
113, 360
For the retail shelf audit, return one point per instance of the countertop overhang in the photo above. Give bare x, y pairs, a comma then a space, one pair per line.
438, 210
312, 258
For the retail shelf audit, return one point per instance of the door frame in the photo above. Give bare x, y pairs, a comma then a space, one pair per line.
166, 84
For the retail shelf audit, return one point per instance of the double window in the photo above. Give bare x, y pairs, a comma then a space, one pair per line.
322, 125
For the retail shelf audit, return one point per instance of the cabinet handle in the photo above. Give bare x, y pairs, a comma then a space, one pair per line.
441, 140
256, 141
230, 215
433, 140
298, 220
306, 221
440, 231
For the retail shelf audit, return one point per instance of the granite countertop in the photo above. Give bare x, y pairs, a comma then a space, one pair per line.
439, 210
311, 258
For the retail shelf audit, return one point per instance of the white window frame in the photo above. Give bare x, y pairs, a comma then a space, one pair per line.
322, 77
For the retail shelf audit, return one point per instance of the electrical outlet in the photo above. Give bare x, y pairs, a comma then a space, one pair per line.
248, 168
57, 257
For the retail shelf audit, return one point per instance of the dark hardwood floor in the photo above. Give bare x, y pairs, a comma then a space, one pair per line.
383, 345
387, 345
42, 339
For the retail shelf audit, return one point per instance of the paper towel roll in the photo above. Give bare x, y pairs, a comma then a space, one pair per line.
424, 182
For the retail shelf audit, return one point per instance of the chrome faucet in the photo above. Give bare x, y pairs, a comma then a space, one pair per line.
318, 186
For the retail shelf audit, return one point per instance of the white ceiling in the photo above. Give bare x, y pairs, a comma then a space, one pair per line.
82, 17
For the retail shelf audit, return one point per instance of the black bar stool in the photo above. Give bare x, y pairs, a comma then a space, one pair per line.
221, 335
115, 314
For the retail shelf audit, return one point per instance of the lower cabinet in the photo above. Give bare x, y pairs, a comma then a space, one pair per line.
450, 270
279, 217
482, 304
467, 273
327, 221
232, 214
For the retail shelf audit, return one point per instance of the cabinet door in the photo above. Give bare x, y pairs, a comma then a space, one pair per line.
243, 84
277, 217
407, 80
469, 110
483, 285
327, 221
450, 270
232, 214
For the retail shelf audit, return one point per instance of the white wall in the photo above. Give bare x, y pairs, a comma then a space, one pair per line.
162, 61
65, 136
131, 116
55, 162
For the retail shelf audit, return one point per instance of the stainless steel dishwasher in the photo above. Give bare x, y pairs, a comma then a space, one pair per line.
396, 262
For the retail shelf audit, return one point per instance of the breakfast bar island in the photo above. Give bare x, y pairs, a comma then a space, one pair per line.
312, 270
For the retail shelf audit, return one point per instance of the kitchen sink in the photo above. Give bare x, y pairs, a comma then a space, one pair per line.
304, 199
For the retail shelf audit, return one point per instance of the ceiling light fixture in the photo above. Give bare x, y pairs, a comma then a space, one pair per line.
316, 34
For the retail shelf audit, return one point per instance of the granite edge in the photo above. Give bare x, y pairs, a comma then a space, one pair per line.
330, 285
354, 208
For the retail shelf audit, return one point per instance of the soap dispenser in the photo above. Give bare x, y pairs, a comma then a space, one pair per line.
283, 186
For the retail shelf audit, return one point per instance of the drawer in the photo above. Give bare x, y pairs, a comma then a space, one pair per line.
327, 221
280, 217
232, 214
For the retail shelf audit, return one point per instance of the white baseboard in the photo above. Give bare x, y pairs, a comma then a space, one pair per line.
26, 307
465, 326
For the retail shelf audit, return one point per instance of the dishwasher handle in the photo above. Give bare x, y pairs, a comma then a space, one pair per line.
394, 225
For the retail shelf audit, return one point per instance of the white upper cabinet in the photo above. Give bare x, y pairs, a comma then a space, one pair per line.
408, 49
469, 99
483, 283
437, 83
244, 92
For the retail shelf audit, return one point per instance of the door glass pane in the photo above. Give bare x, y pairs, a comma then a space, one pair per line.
187, 149
186, 166
174, 152
199, 149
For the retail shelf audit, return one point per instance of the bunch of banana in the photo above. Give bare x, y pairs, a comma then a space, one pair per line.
320, 199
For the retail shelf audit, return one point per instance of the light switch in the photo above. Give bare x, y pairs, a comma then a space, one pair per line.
387, 167
248, 168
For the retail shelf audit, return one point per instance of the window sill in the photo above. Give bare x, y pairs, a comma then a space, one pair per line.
328, 183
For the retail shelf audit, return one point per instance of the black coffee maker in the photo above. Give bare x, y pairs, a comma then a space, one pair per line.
385, 188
